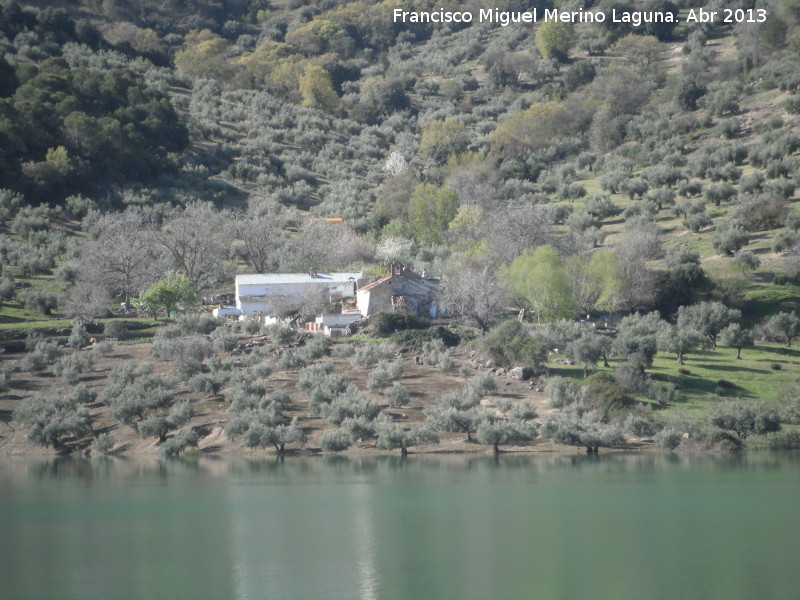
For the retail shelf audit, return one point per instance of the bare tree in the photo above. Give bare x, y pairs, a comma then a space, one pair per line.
86, 302
474, 291
123, 258
197, 243
396, 164
321, 246
260, 235
303, 306
517, 228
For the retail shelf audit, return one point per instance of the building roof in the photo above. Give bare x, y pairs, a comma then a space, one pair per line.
281, 278
407, 275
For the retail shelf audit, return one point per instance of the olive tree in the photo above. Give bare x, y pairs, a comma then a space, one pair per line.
53, 417
745, 418
707, 318
785, 326
735, 336
504, 432
578, 425
392, 436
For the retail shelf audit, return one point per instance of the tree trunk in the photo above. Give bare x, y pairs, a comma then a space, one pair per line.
680, 358
403, 451
739, 353
497, 448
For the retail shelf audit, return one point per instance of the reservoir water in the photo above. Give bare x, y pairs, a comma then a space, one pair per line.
613, 526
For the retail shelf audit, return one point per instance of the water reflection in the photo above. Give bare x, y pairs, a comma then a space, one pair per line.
568, 525
76, 469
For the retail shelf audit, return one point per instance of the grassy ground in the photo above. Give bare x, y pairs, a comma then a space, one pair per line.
753, 376
14, 316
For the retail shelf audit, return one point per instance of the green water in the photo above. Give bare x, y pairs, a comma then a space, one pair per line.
575, 527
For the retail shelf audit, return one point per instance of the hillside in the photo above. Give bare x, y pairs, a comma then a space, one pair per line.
584, 173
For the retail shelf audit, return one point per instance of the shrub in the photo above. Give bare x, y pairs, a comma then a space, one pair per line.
196, 323
345, 350
102, 349
41, 301
43, 354
730, 236
51, 418
603, 389
509, 344
335, 440
398, 395
745, 418
321, 385
224, 338
638, 426
349, 403
71, 366
196, 347
78, 338
369, 354
102, 444
8, 288
179, 442
668, 438
209, 383
383, 324
185, 368
251, 326
561, 392
683, 371
115, 329
664, 394
384, 374
418, 337
280, 333
776, 366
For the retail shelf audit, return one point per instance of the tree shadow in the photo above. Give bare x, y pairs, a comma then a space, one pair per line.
781, 351
575, 372
730, 368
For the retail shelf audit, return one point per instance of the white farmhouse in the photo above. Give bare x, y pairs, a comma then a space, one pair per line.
273, 293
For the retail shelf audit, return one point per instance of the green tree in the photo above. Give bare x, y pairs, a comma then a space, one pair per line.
735, 336
678, 341
53, 417
391, 436
173, 292
499, 432
316, 88
745, 418
707, 318
554, 39
784, 326
588, 349
278, 436
637, 338
578, 425
539, 282
509, 343
594, 284
203, 55
441, 138
430, 210
160, 425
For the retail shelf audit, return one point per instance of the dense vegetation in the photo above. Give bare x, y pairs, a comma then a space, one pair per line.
641, 179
